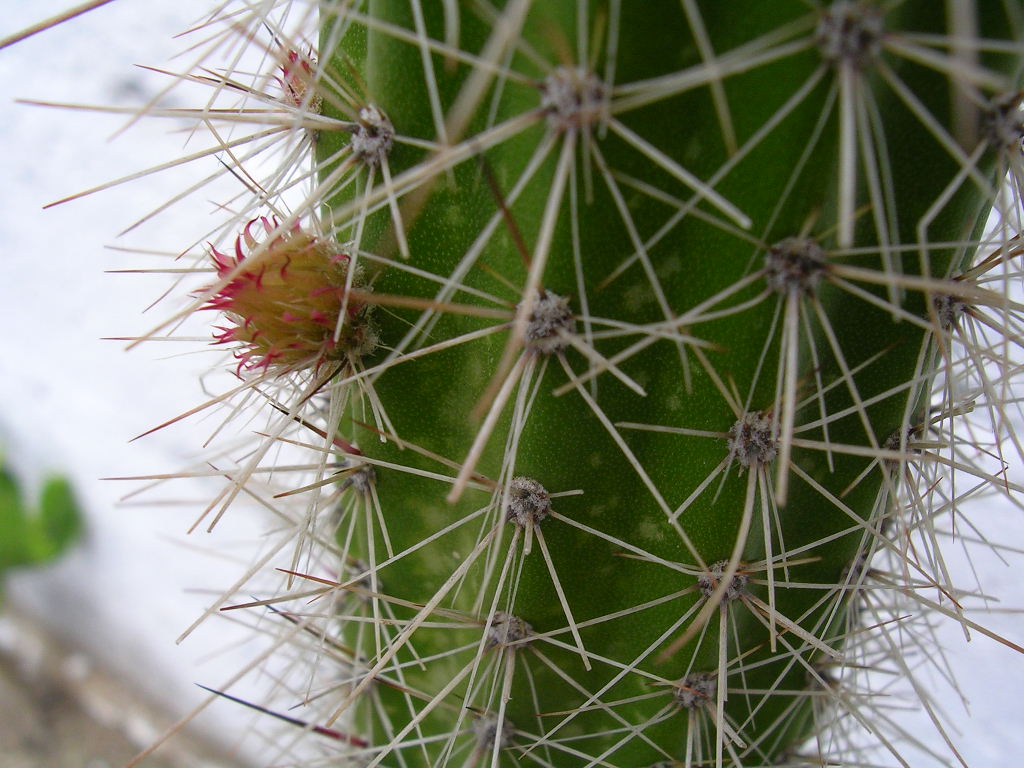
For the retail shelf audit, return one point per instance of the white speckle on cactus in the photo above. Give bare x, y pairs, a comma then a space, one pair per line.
638, 297
650, 531
528, 502
549, 323
850, 32
752, 439
696, 689
709, 581
574, 98
795, 264
373, 136
672, 265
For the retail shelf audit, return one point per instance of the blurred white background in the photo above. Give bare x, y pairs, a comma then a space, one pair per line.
70, 402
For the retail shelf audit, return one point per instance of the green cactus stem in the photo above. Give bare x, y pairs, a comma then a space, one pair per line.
659, 283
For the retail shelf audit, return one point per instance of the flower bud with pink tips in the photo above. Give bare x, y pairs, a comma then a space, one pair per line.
284, 298
298, 79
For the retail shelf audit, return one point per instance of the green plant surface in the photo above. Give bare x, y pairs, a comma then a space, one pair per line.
640, 356
656, 507
36, 536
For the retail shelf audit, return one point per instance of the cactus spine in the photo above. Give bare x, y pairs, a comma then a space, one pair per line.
637, 364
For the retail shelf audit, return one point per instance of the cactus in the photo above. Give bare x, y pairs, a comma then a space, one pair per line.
646, 351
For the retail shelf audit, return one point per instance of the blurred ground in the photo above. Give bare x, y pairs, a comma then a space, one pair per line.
60, 710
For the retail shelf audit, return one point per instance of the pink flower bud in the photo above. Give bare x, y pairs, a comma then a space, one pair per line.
284, 297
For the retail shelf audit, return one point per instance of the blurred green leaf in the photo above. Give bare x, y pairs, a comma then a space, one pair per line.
13, 524
31, 538
60, 523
